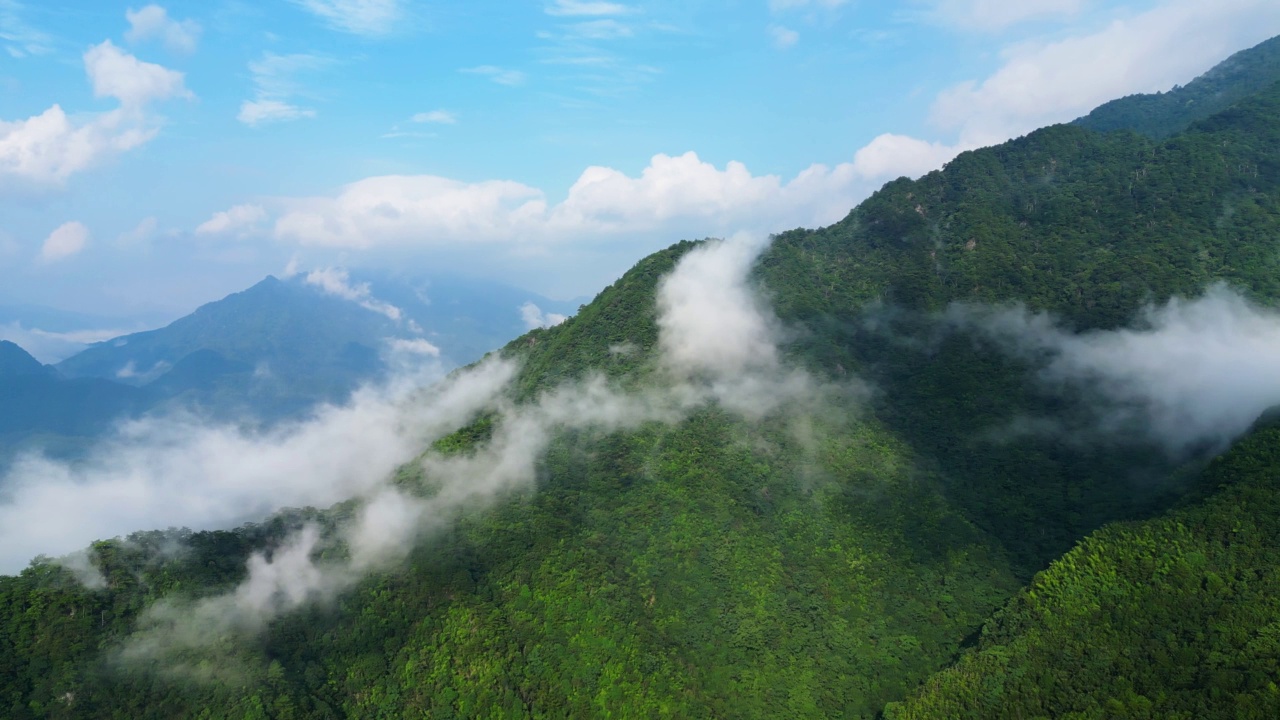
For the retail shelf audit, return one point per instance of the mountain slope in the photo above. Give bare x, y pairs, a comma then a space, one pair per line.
1176, 617
1161, 115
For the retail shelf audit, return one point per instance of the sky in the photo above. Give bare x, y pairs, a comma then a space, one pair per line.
154, 157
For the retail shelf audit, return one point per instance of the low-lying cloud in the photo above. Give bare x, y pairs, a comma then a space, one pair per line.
169, 474
1189, 374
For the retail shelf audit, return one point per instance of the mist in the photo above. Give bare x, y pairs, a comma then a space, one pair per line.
1191, 374
180, 470
717, 345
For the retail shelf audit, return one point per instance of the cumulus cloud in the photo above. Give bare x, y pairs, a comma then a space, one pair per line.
674, 194
891, 156
534, 317
238, 220
153, 23
1041, 82
337, 282
68, 239
370, 18
1188, 374
115, 73
48, 148
275, 85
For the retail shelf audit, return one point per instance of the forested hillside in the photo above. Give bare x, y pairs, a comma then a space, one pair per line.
812, 523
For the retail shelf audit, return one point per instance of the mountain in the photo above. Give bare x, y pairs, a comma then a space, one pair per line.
885, 503
280, 346
1171, 617
14, 361
1160, 115
39, 408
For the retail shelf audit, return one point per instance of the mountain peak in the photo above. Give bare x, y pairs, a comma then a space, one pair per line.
16, 361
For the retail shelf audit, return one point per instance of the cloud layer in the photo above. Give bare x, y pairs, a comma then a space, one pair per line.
1190, 374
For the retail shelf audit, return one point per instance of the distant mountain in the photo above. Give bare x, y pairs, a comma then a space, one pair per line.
273, 350
14, 361
38, 407
1160, 115
268, 353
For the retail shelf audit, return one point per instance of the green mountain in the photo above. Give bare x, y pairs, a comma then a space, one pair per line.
1160, 115
1175, 617
874, 547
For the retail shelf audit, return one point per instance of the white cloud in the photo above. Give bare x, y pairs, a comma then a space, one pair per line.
275, 84
336, 282
497, 74
993, 15
177, 471
681, 195
1189, 372
115, 73
1051, 81
256, 112
890, 156
358, 17
239, 219
67, 240
153, 23
416, 346
534, 318
709, 319
440, 117
48, 148
575, 8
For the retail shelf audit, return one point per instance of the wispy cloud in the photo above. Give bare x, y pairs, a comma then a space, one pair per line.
153, 23
589, 8
783, 37
502, 76
238, 220
337, 282
275, 84
369, 18
439, 117
20, 38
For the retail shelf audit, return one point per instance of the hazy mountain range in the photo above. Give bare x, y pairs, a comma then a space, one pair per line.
268, 353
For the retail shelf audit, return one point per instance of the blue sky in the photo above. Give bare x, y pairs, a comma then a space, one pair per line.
154, 157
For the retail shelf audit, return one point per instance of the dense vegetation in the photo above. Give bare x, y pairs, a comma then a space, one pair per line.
830, 561
1171, 618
